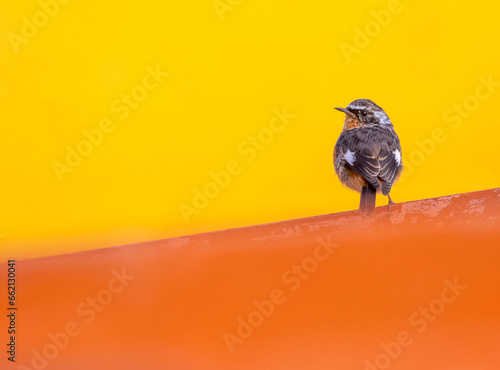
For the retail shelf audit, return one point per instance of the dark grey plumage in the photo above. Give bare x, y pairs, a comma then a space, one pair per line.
367, 155
374, 147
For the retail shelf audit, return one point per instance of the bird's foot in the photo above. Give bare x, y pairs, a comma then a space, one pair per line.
391, 202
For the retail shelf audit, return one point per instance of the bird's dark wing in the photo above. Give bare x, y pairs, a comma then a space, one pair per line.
390, 166
374, 152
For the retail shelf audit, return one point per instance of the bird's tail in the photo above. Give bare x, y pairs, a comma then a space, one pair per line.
368, 198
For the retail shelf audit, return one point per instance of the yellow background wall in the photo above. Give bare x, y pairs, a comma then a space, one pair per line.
70, 66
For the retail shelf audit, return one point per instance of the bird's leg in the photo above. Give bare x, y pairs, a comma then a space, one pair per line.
390, 203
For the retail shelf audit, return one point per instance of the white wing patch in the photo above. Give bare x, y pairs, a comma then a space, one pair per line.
350, 157
397, 155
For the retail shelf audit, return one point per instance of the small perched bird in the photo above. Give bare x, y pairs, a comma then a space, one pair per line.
367, 155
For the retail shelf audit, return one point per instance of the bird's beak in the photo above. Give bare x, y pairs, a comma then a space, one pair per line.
344, 110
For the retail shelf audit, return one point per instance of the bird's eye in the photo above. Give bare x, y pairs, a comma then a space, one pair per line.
364, 113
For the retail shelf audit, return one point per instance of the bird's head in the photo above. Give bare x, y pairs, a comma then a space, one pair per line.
364, 112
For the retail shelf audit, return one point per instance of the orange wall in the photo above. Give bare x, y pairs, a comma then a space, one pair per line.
329, 292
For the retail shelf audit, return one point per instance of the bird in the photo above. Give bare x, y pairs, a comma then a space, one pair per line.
367, 155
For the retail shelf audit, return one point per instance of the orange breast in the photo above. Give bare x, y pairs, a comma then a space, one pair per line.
350, 122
